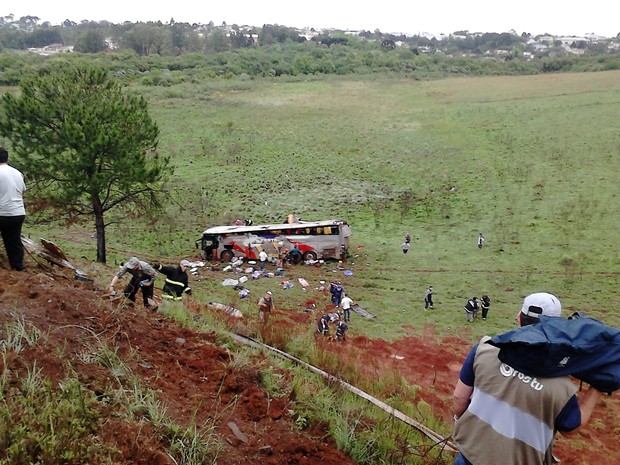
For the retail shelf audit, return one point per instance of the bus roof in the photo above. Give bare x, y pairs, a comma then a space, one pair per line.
269, 227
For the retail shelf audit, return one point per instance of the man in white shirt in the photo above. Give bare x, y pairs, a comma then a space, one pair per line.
262, 256
12, 211
346, 303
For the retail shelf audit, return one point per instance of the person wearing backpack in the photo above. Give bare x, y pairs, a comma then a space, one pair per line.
505, 417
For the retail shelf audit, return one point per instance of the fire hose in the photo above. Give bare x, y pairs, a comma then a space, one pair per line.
437, 438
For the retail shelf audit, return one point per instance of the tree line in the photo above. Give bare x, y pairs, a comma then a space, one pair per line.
291, 60
176, 38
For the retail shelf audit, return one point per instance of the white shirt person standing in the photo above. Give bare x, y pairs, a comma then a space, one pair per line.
346, 303
12, 211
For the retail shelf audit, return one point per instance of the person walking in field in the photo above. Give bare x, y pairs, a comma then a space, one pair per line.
345, 304
480, 241
406, 246
12, 211
265, 307
428, 298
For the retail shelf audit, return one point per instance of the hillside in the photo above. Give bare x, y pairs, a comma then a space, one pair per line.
134, 365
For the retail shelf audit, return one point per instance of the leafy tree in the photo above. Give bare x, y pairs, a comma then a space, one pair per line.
91, 41
217, 41
240, 39
147, 38
85, 144
44, 36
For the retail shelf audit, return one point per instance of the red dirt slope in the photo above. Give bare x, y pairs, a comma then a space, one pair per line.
196, 379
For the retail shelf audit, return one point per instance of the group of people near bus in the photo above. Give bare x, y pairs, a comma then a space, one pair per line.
498, 418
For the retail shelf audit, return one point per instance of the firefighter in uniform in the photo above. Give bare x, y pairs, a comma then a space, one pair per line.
176, 283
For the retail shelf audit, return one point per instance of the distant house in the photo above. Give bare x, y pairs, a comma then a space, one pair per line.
52, 49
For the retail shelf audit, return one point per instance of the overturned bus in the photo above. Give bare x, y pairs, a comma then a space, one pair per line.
315, 240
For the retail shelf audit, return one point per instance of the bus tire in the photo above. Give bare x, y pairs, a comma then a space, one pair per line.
226, 255
310, 256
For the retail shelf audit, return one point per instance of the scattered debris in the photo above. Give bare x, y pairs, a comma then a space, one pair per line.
232, 311
52, 253
360, 311
237, 432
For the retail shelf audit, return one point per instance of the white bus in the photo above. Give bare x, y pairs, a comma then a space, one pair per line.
314, 239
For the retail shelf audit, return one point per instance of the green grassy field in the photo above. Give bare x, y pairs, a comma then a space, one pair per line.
531, 162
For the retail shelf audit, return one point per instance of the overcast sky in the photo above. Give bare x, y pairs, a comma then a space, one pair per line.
397, 16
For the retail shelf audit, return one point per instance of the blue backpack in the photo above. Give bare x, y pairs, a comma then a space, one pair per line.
579, 346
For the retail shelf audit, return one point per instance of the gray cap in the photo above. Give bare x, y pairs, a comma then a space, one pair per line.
132, 263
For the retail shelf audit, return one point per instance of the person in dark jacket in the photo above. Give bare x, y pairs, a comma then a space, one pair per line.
428, 298
341, 329
485, 305
336, 290
324, 321
471, 309
177, 281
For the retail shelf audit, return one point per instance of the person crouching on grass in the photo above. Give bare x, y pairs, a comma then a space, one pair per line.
142, 278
